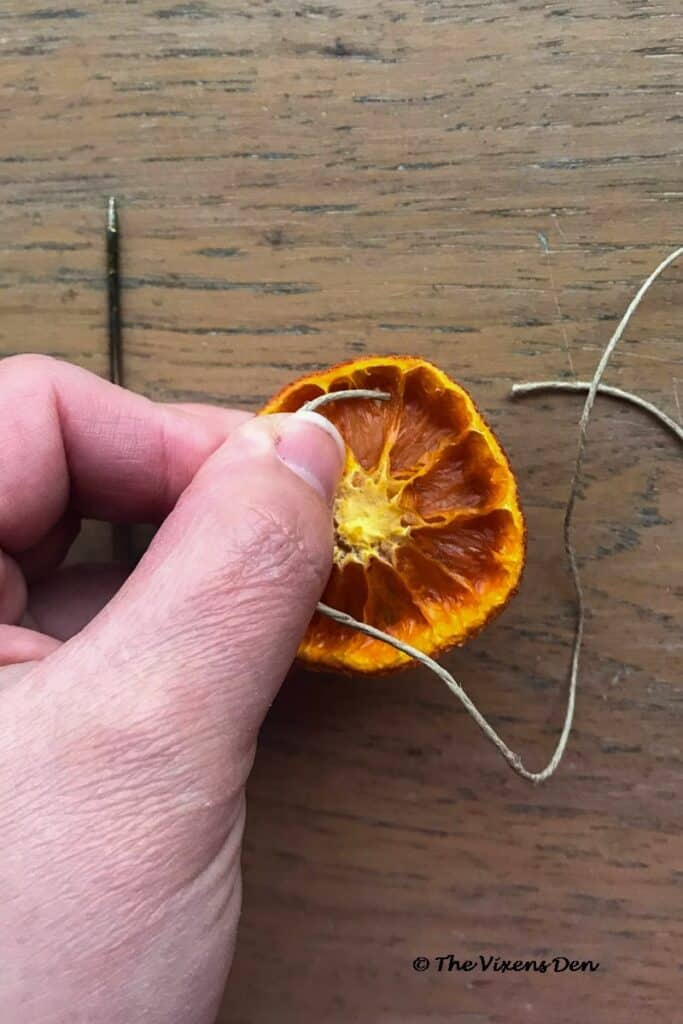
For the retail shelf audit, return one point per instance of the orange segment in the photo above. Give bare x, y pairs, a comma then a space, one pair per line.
390, 605
371, 426
430, 416
463, 476
429, 534
347, 589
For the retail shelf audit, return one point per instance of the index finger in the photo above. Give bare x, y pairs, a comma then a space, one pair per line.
71, 440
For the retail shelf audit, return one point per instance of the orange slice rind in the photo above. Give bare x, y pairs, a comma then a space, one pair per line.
429, 534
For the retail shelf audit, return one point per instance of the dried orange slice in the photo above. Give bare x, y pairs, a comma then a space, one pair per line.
429, 534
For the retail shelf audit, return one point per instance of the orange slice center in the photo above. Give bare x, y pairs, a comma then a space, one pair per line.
369, 519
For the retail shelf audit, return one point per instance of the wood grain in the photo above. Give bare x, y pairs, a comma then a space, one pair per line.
483, 183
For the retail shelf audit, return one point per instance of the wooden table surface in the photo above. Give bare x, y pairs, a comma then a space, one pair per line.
484, 183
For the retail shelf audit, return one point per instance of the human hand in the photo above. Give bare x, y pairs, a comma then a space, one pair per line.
129, 717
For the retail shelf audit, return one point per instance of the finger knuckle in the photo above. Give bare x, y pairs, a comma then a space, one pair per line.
279, 545
28, 365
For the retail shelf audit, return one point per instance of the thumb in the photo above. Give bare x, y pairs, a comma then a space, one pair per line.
209, 622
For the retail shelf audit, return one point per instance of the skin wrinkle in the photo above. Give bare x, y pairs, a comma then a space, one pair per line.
258, 594
67, 405
24, 435
131, 455
127, 874
207, 906
109, 757
225, 855
259, 539
110, 784
141, 809
166, 462
156, 757
137, 945
134, 892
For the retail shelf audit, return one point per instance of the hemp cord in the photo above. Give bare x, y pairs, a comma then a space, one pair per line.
593, 387
522, 390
